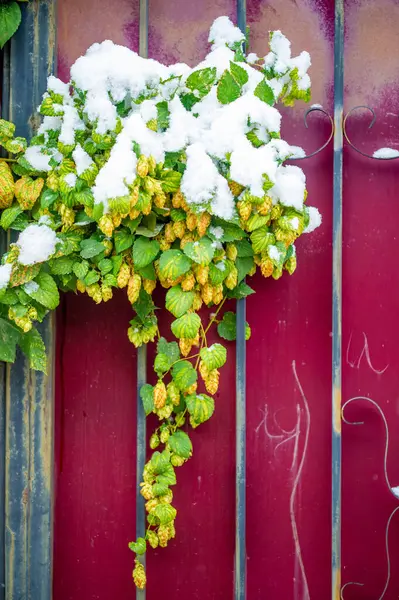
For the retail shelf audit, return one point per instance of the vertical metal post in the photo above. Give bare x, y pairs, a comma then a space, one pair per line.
141, 357
337, 301
240, 577
28, 427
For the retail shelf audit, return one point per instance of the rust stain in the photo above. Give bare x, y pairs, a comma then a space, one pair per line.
304, 27
337, 409
337, 584
371, 48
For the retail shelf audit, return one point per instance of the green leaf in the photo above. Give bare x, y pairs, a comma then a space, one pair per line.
261, 238
86, 198
181, 444
144, 252
214, 357
244, 265
255, 222
216, 275
148, 272
34, 349
200, 407
47, 198
184, 374
105, 265
227, 327
171, 349
202, 80
10, 19
186, 326
239, 73
162, 364
9, 215
163, 115
242, 290
160, 461
173, 263
165, 513
146, 395
70, 242
179, 302
61, 266
265, 93
98, 211
90, 248
149, 232
244, 248
228, 89
116, 264
168, 476
170, 181
123, 240
160, 489
144, 305
9, 337
139, 546
201, 251
231, 232
47, 293
92, 277
80, 269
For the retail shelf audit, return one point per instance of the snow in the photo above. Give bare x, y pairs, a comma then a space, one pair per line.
386, 153
223, 32
252, 57
70, 180
5, 274
217, 232
36, 243
249, 164
314, 219
50, 124
273, 252
57, 86
31, 287
82, 160
395, 491
44, 220
315, 106
221, 266
38, 160
295, 223
290, 187
71, 122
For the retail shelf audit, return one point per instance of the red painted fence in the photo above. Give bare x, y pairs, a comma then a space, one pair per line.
288, 356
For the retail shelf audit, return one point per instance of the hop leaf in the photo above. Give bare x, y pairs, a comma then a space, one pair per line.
10, 18
200, 407
171, 349
147, 397
181, 444
227, 327
184, 374
179, 302
165, 513
173, 263
139, 546
201, 251
7, 185
45, 291
214, 357
186, 326
144, 252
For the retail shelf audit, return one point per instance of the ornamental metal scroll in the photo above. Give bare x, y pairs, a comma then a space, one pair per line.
319, 109
390, 153
394, 491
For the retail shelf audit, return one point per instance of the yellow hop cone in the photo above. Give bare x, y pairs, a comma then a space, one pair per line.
24, 323
152, 539
177, 199
52, 181
163, 535
192, 389
231, 251
170, 235
197, 302
152, 163
149, 285
160, 200
187, 237
134, 197
265, 207
165, 434
207, 293
7, 185
203, 369
235, 188
191, 221
173, 393
277, 273
266, 267
164, 412
146, 491
276, 212
142, 166
179, 229
92, 290
67, 216
212, 382
108, 245
290, 264
134, 214
154, 441
139, 576
164, 244
80, 286
106, 225
185, 346
217, 297
133, 288
244, 209
106, 292
172, 531
188, 282
177, 461
202, 274
151, 504
135, 336
203, 223
116, 220
123, 275
152, 124
159, 395
231, 279
251, 272
32, 313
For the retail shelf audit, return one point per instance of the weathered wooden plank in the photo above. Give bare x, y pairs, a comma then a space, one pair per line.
29, 395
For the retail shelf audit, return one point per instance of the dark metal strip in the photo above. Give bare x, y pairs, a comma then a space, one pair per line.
337, 301
141, 358
240, 567
28, 474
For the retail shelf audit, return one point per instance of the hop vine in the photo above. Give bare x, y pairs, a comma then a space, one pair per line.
144, 176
